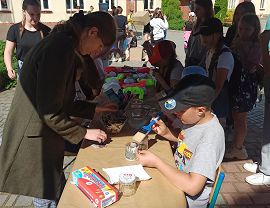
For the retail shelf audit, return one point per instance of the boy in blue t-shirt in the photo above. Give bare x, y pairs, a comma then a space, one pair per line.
201, 143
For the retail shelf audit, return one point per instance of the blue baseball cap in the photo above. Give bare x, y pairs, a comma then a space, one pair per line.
194, 70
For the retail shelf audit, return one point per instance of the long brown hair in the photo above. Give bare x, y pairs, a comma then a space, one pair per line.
76, 24
252, 20
25, 4
247, 6
209, 11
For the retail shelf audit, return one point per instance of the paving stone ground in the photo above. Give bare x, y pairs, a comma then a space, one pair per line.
235, 193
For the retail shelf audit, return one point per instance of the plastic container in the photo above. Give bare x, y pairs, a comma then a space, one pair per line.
127, 184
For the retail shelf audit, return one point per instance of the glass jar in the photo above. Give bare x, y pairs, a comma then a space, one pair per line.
131, 150
143, 145
127, 184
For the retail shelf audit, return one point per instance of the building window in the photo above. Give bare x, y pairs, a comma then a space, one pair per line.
110, 2
231, 4
148, 4
3, 5
262, 4
74, 4
45, 4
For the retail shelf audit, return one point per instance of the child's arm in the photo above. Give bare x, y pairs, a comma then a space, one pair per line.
161, 129
190, 183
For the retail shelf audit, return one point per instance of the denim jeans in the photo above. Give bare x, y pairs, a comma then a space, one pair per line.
265, 152
20, 63
44, 203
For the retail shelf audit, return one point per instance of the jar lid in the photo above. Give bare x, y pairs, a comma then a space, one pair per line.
127, 178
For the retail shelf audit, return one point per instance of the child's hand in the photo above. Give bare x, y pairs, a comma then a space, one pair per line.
147, 158
160, 128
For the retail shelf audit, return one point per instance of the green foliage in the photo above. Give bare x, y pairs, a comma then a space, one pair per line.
173, 14
5, 82
221, 9
229, 17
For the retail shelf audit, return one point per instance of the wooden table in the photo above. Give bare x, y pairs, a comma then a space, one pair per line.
154, 193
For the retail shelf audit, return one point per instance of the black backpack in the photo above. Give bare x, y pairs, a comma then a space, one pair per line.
234, 82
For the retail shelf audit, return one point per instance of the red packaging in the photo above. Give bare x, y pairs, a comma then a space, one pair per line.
95, 187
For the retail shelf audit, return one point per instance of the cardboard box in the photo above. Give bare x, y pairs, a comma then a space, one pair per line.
95, 187
141, 18
135, 54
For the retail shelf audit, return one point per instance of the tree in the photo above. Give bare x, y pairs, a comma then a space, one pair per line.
173, 14
221, 9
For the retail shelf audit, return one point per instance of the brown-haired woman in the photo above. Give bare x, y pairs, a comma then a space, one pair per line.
243, 8
32, 150
24, 35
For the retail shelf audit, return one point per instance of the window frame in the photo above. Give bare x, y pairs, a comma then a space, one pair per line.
231, 4
262, 4
149, 2
110, 3
72, 6
4, 9
42, 5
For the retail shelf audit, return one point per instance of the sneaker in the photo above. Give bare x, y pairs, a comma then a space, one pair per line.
258, 179
251, 167
235, 153
114, 59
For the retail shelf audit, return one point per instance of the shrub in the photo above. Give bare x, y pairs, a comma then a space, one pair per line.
220, 8
229, 17
5, 81
173, 13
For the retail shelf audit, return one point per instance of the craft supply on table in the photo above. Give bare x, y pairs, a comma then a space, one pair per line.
143, 145
127, 183
145, 130
114, 121
95, 187
114, 173
131, 151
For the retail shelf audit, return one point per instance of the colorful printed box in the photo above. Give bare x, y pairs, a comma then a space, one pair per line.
95, 187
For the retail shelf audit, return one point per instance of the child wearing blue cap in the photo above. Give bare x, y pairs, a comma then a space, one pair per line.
201, 143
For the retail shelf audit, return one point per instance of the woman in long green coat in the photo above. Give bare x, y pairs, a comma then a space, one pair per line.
32, 150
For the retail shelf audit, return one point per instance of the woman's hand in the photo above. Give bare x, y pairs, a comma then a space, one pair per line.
11, 73
160, 128
95, 135
109, 107
147, 158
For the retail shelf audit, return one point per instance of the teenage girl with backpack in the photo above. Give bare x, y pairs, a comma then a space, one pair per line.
247, 46
219, 64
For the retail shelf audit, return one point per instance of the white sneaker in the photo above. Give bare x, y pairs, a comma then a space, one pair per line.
258, 179
235, 153
251, 167
114, 59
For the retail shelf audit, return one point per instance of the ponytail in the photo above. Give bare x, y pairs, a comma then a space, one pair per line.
78, 22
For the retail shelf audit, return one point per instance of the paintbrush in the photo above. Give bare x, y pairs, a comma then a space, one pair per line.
145, 130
